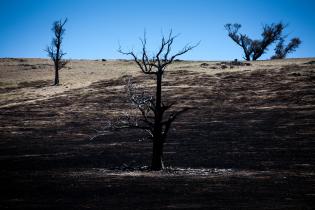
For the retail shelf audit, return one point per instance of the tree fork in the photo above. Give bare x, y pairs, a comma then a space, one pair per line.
155, 110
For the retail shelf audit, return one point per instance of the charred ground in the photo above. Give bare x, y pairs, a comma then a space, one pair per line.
249, 140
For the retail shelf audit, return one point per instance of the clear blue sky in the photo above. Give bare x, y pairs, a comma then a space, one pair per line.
96, 27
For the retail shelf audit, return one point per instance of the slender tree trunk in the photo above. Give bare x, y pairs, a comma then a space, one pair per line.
157, 156
247, 55
56, 76
57, 60
157, 161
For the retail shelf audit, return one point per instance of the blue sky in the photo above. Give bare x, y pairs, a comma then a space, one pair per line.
97, 27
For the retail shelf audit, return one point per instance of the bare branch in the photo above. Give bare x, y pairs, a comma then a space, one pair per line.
161, 59
166, 107
174, 115
181, 52
152, 110
282, 50
167, 124
144, 64
254, 49
54, 51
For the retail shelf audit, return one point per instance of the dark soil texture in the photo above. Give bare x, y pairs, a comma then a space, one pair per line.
249, 143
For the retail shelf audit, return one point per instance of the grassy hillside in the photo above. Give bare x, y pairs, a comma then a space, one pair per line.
249, 142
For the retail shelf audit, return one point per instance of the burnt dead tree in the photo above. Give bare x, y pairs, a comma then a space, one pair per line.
240, 39
282, 50
54, 51
156, 117
254, 49
271, 34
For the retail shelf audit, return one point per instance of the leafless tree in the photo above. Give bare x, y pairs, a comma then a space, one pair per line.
54, 50
253, 49
156, 115
282, 50
240, 39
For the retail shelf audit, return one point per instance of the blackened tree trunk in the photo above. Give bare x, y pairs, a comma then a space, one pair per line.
56, 76
154, 111
247, 57
157, 155
54, 51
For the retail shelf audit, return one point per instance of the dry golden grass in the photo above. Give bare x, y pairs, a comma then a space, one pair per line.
28, 80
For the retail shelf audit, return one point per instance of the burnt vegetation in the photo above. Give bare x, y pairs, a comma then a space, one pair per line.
157, 116
255, 48
244, 136
259, 124
282, 50
54, 51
